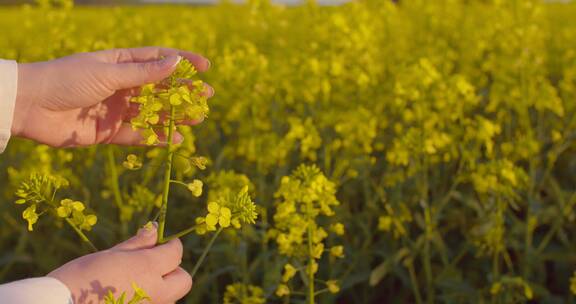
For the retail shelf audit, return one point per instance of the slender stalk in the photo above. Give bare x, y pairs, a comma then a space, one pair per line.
245, 270
178, 235
82, 235
116, 188
496, 266
555, 226
114, 177
205, 252
179, 183
167, 177
415, 287
311, 293
426, 257
428, 231
321, 291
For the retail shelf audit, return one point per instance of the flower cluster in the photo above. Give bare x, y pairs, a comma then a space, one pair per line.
39, 193
244, 294
180, 95
233, 210
195, 187
132, 162
518, 289
304, 198
395, 220
74, 211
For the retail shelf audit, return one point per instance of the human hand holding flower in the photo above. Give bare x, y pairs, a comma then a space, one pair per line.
84, 99
134, 262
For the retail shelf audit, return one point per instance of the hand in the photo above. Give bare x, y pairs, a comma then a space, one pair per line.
154, 269
83, 99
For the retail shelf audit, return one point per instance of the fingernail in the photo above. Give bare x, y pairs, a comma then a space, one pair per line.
170, 61
209, 63
148, 228
208, 90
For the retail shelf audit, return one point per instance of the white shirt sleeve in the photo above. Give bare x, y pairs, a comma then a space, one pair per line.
8, 90
43, 290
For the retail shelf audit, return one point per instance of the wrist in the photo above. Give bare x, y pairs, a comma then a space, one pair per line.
62, 279
24, 98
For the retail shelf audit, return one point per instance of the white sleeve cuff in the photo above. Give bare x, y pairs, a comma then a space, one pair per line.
43, 290
8, 90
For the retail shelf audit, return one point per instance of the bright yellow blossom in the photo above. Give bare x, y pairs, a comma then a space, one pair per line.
218, 215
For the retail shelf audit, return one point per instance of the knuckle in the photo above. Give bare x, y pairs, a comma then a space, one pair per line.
122, 55
146, 69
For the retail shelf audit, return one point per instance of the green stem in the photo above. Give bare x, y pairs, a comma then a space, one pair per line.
114, 176
205, 252
415, 287
311, 293
179, 182
426, 256
178, 235
427, 233
321, 291
116, 188
82, 235
167, 177
428, 229
555, 227
496, 266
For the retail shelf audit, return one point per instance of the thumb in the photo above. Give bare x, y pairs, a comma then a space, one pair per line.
135, 74
144, 239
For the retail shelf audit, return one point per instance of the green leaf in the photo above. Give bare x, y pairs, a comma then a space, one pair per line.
379, 273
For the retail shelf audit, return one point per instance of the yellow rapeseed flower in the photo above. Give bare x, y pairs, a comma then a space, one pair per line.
218, 215
333, 286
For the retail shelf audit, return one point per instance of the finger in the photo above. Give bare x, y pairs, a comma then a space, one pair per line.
151, 53
178, 284
134, 74
208, 91
166, 257
127, 136
144, 239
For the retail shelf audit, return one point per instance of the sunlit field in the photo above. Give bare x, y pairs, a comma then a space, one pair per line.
373, 152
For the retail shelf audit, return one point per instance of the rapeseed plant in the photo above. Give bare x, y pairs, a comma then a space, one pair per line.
305, 197
39, 192
182, 98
